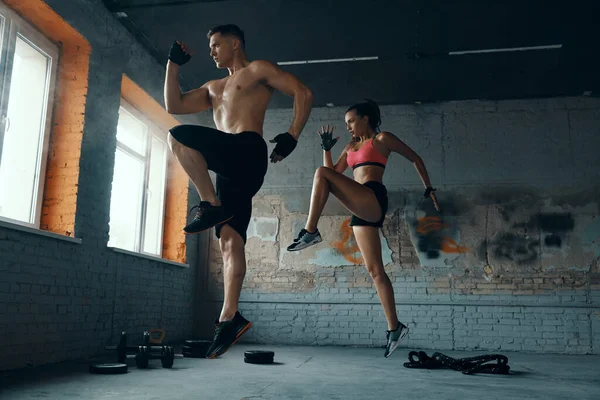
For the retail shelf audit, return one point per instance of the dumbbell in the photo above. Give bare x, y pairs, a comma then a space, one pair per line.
163, 353
122, 348
147, 351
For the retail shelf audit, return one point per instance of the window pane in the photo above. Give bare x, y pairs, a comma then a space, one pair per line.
21, 151
2, 19
156, 189
126, 201
131, 132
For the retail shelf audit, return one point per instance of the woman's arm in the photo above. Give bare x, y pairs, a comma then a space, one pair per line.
396, 145
327, 160
341, 164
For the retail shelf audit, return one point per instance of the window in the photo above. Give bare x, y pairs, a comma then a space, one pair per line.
28, 62
138, 190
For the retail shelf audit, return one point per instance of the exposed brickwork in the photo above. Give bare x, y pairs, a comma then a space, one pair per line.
176, 211
486, 273
63, 300
62, 174
443, 327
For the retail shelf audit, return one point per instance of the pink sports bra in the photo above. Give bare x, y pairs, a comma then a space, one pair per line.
366, 155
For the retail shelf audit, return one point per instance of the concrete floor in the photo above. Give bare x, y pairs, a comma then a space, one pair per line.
312, 373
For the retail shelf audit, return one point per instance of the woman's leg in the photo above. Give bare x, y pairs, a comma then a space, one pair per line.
358, 199
369, 244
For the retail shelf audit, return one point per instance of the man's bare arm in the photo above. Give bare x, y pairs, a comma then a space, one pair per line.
292, 86
191, 102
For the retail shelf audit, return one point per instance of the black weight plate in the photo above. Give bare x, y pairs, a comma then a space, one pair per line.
192, 350
258, 354
197, 343
258, 360
168, 358
196, 349
193, 355
108, 368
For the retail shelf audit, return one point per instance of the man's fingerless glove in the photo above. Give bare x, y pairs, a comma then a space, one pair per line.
285, 144
177, 55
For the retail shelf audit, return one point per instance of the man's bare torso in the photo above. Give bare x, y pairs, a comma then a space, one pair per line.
239, 101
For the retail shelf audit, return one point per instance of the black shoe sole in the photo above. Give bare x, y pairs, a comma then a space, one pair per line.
207, 228
219, 351
258, 361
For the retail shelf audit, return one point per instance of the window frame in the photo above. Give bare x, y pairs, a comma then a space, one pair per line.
11, 28
152, 131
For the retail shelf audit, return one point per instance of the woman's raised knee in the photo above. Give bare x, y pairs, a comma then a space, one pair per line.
321, 172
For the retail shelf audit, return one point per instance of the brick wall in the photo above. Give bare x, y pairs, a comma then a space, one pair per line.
62, 173
64, 297
511, 263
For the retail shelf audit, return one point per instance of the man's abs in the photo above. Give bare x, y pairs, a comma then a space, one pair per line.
239, 105
242, 118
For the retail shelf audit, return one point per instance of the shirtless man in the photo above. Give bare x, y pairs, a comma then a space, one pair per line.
236, 152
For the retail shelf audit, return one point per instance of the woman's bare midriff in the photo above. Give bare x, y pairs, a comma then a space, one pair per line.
368, 173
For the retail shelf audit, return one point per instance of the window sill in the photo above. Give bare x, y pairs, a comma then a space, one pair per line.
149, 257
22, 228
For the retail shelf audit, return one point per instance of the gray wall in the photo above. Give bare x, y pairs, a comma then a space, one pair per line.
62, 300
511, 263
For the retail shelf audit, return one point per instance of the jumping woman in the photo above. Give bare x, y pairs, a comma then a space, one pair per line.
365, 197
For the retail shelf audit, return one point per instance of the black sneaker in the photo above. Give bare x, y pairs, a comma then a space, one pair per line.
227, 333
305, 239
207, 217
393, 337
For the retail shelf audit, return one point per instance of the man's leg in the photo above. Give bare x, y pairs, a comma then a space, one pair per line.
196, 168
236, 193
234, 270
199, 149
231, 325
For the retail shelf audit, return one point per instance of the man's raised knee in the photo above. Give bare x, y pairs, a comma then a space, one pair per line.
179, 134
172, 142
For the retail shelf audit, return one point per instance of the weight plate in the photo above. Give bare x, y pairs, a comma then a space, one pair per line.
108, 368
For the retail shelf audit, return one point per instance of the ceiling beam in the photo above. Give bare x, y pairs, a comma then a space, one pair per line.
122, 6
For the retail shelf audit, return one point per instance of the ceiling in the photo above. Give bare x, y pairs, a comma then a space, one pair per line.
411, 38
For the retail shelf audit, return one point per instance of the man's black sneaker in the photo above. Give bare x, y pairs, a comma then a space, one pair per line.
227, 333
207, 217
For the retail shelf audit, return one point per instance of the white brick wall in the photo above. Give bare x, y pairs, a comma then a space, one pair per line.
502, 328
479, 155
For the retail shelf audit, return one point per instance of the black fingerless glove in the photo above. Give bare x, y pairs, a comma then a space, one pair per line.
428, 192
327, 140
285, 144
177, 55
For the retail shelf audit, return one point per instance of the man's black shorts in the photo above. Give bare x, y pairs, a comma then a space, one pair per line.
240, 162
